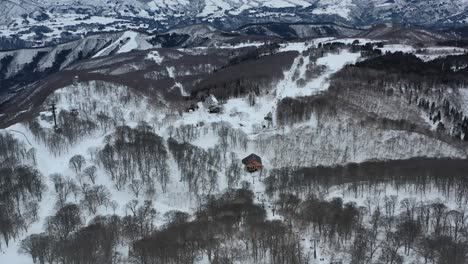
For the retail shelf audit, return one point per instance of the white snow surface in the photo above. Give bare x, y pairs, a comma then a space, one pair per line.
130, 40
155, 56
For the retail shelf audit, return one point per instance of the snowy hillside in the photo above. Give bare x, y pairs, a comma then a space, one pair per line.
363, 160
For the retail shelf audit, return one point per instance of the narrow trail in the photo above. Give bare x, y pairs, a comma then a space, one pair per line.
24, 135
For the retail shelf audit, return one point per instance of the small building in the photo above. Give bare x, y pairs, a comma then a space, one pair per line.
252, 163
210, 102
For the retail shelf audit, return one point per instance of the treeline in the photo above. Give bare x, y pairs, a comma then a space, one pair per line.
135, 153
253, 54
418, 174
248, 76
440, 69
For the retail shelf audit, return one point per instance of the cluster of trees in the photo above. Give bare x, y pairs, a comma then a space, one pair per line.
408, 83
90, 196
138, 153
448, 118
67, 240
384, 229
295, 110
240, 79
229, 138
4, 63
15, 152
439, 70
228, 227
253, 54
417, 174
72, 128
21, 188
333, 220
369, 50
198, 167
55, 143
338, 139
185, 133
431, 231
313, 70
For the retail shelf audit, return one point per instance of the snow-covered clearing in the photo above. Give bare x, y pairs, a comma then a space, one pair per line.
155, 56
332, 62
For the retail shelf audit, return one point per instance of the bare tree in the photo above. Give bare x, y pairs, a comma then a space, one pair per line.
77, 162
136, 186
90, 172
67, 220
63, 188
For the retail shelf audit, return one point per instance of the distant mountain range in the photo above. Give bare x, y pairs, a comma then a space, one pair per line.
235, 12
35, 23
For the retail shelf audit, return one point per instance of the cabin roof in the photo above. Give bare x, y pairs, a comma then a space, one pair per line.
211, 99
252, 158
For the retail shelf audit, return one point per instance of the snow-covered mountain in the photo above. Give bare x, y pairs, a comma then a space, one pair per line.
20, 67
210, 10
139, 152
233, 131
42, 21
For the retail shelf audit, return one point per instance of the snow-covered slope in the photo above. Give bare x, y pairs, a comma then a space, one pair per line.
23, 66
154, 98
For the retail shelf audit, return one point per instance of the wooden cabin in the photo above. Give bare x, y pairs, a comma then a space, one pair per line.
210, 101
252, 163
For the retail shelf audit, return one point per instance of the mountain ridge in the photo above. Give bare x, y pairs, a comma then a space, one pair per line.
37, 21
